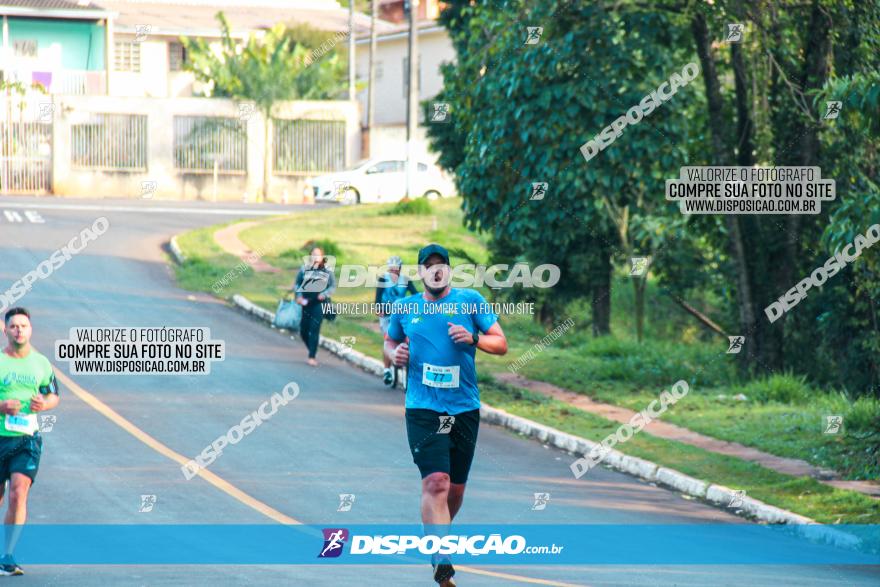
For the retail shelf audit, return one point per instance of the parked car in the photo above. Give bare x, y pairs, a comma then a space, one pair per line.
379, 181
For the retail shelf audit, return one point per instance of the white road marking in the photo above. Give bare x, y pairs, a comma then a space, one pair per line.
149, 209
34, 216
12, 216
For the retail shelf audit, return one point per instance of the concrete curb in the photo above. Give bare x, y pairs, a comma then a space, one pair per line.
359, 359
614, 459
175, 251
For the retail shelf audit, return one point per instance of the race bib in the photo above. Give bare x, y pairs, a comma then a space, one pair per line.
23, 423
434, 376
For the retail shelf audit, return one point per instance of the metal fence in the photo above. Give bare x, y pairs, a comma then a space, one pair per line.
114, 142
79, 83
202, 141
308, 146
26, 161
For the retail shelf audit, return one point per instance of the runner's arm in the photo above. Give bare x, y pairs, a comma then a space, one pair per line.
493, 341
48, 397
390, 349
396, 346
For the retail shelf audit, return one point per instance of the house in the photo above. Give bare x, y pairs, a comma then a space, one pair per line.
392, 68
132, 47
122, 118
61, 44
395, 10
388, 136
148, 56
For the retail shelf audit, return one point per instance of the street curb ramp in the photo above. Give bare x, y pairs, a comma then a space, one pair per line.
651, 472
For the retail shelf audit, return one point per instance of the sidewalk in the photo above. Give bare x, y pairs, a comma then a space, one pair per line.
227, 239
794, 467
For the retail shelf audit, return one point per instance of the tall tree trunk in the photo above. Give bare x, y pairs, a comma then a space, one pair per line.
797, 143
601, 292
744, 125
721, 155
639, 291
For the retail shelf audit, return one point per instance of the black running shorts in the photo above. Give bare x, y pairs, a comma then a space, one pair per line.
20, 454
441, 443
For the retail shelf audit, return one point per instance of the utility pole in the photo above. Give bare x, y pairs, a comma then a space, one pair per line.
351, 55
412, 98
371, 90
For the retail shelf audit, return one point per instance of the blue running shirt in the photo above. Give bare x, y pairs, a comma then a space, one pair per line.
442, 375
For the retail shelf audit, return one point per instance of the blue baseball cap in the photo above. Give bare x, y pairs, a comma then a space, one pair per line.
433, 249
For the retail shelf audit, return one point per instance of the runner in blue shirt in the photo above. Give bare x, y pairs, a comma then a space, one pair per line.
392, 287
436, 335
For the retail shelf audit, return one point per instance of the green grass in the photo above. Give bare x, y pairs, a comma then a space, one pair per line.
805, 496
781, 415
417, 207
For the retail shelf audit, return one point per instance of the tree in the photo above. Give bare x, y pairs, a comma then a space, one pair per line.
265, 70
520, 113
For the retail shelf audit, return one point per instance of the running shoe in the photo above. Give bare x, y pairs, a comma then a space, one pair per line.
443, 573
388, 377
8, 567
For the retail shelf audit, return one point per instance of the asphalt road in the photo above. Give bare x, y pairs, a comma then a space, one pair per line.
343, 434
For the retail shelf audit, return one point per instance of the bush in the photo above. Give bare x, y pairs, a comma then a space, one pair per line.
329, 247
863, 417
418, 207
786, 389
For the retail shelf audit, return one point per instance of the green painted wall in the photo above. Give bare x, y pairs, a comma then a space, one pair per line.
82, 43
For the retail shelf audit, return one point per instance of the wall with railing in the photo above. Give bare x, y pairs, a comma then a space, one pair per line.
195, 148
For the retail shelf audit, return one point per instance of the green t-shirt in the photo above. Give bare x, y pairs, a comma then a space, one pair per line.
21, 379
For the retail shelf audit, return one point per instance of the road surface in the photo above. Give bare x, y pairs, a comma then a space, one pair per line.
343, 434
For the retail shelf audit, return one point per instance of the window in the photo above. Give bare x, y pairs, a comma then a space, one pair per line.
380, 70
176, 56
423, 168
25, 48
127, 56
388, 167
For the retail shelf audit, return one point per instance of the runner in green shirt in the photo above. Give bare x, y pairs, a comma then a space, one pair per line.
27, 386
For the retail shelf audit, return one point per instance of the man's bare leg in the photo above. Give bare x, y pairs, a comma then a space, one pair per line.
435, 500
455, 498
441, 500
16, 514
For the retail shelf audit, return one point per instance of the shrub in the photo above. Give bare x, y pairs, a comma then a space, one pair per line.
418, 207
329, 247
786, 389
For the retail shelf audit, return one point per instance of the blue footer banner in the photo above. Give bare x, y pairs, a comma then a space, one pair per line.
491, 544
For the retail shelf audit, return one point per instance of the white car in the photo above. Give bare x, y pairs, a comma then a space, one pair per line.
378, 181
